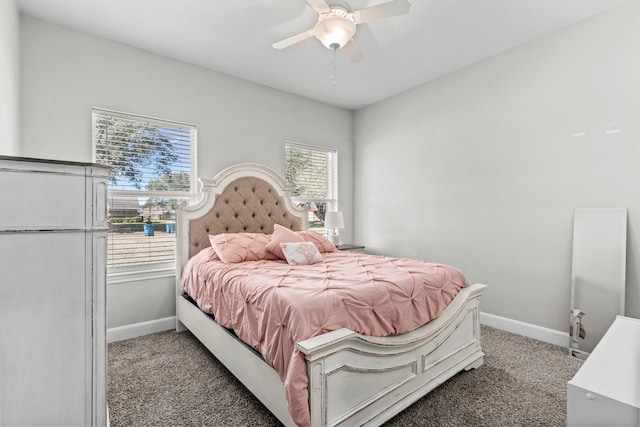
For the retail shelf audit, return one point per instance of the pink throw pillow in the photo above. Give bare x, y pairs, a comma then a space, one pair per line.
304, 253
282, 235
238, 247
322, 243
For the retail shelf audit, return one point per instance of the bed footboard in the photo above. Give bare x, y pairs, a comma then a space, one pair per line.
360, 380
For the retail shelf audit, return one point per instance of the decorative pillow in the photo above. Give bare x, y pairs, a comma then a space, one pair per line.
322, 243
238, 247
303, 253
282, 235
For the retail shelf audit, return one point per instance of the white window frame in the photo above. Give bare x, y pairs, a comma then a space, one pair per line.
143, 271
331, 199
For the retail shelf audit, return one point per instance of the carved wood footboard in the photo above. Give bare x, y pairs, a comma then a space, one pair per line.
360, 380
355, 379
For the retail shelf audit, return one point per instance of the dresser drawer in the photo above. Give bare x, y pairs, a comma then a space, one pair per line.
51, 198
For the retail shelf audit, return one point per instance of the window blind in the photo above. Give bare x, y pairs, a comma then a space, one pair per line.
146, 155
312, 173
153, 166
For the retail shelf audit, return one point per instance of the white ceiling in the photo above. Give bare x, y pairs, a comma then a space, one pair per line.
235, 37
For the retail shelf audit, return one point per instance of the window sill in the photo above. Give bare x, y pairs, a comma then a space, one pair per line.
139, 273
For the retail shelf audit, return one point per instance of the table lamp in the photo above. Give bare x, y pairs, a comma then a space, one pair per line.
334, 220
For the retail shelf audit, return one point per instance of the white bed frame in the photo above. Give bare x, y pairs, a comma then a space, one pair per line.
353, 379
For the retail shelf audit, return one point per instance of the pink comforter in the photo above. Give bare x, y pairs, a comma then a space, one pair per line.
271, 305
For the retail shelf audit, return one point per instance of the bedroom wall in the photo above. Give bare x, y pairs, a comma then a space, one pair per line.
9, 78
65, 73
482, 171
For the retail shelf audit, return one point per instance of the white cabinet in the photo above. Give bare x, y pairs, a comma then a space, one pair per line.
606, 389
53, 226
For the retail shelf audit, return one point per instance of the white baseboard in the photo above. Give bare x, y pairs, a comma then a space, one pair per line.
540, 333
139, 329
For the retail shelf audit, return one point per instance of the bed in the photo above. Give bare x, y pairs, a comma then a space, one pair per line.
350, 378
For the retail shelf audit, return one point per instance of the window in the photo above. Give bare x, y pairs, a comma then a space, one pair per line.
153, 166
313, 174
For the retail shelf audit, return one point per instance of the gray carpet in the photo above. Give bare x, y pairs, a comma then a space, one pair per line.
170, 379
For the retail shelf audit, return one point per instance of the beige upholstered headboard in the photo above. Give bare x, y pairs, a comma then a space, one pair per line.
248, 205
247, 198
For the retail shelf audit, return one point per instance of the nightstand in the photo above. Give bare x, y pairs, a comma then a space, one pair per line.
350, 248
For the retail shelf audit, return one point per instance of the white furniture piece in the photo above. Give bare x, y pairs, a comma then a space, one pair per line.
353, 379
606, 389
53, 226
351, 248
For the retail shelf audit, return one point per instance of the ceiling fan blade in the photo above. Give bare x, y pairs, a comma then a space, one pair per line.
293, 39
352, 51
384, 10
319, 6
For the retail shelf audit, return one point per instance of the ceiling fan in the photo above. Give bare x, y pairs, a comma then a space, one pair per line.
336, 24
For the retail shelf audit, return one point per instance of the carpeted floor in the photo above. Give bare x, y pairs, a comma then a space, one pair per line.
170, 379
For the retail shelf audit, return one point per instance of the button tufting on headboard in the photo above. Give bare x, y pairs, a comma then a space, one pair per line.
248, 204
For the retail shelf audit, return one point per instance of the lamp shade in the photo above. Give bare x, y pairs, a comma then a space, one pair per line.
333, 220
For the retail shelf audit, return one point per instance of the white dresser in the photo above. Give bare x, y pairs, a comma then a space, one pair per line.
606, 390
53, 223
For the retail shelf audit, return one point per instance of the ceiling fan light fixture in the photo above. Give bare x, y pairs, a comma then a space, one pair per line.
335, 29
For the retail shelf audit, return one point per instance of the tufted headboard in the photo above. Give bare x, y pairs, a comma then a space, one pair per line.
247, 198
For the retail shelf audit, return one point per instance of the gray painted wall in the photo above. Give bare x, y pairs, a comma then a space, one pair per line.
65, 73
482, 170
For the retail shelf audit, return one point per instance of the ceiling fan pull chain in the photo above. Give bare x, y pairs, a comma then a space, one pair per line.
332, 72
